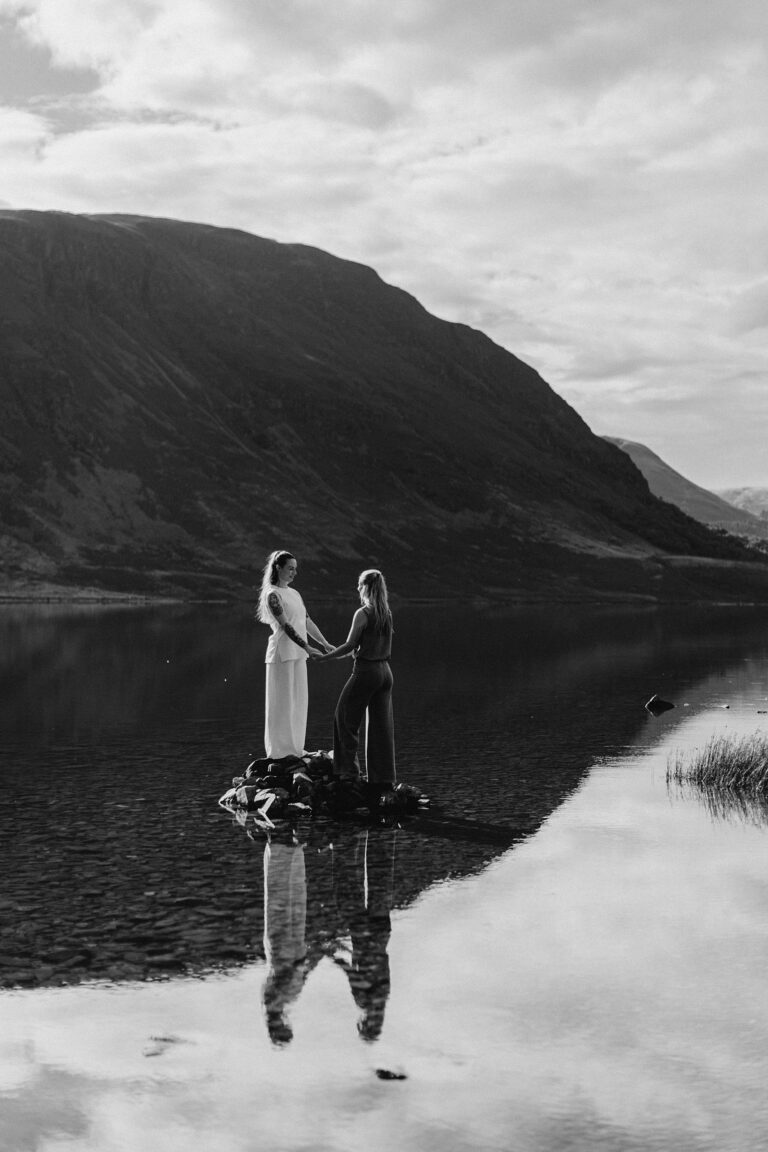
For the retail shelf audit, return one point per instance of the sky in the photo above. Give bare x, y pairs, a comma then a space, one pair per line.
583, 180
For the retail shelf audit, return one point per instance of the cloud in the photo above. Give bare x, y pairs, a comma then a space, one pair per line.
21, 133
749, 311
351, 103
582, 181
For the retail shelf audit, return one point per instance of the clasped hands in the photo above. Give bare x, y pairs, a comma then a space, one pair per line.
318, 656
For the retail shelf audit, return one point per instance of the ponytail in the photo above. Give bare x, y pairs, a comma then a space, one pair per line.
374, 596
269, 579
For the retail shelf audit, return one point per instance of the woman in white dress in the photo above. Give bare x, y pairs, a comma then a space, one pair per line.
280, 606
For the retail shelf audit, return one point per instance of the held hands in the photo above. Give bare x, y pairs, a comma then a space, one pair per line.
316, 654
330, 654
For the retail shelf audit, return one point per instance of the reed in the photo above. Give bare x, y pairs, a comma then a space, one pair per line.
725, 763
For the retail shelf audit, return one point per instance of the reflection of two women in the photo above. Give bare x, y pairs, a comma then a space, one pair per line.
351, 924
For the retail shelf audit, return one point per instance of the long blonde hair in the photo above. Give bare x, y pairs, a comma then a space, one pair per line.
373, 595
269, 579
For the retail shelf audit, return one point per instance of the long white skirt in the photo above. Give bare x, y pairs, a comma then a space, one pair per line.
285, 711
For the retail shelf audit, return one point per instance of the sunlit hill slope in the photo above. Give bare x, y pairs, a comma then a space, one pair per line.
752, 500
178, 399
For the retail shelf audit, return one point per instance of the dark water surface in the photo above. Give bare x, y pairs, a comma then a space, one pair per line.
143, 928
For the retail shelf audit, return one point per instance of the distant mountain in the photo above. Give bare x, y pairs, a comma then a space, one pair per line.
179, 399
752, 500
703, 505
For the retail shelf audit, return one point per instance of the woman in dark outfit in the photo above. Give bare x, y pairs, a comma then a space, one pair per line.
368, 690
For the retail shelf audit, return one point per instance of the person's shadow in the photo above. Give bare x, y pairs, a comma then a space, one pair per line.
329, 900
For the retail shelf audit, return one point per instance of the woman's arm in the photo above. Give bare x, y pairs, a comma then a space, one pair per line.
276, 608
359, 621
316, 634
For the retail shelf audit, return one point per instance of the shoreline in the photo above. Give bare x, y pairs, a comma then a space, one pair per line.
498, 599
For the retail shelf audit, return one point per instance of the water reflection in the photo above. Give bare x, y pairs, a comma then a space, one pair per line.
121, 729
348, 883
285, 925
724, 803
599, 985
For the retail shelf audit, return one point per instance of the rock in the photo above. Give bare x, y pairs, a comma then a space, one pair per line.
656, 705
293, 786
302, 787
409, 798
256, 768
246, 795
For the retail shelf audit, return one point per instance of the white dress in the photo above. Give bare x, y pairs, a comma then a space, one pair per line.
287, 696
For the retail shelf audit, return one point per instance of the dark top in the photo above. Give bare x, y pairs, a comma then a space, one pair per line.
374, 645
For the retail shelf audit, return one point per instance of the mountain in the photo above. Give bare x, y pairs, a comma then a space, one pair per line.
708, 507
179, 399
752, 500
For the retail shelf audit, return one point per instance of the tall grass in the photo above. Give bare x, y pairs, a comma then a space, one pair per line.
727, 763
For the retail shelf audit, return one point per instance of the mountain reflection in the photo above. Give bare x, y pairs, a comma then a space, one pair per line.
347, 883
122, 729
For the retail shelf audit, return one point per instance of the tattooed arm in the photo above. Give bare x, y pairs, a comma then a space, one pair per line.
276, 608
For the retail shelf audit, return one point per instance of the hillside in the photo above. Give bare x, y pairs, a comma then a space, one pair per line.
752, 500
708, 507
179, 399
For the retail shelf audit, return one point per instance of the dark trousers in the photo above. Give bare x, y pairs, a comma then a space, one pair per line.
369, 689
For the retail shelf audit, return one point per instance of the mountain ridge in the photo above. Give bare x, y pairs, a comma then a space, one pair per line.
179, 399
752, 499
700, 503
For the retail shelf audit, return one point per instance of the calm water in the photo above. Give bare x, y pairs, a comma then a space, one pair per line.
562, 954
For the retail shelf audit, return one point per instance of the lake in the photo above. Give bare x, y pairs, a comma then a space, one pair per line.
563, 953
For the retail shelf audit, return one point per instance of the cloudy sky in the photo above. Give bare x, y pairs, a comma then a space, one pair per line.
583, 180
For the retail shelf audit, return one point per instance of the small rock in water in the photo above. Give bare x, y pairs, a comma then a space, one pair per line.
656, 705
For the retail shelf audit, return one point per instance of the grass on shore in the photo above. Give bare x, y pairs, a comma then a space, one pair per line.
725, 763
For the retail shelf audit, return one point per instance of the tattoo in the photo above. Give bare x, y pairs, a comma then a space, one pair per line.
276, 608
291, 632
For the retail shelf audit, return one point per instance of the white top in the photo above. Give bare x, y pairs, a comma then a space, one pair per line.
279, 646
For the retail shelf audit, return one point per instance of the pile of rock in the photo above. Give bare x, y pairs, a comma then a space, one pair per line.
295, 785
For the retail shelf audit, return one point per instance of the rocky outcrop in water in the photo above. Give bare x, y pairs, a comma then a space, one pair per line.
295, 786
